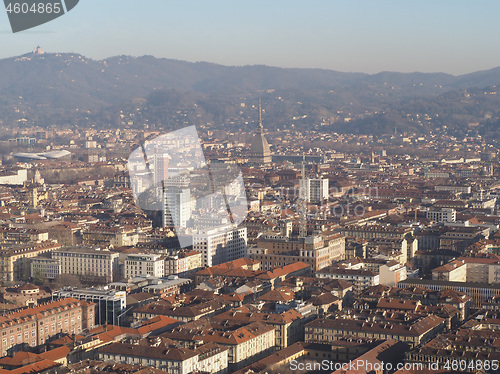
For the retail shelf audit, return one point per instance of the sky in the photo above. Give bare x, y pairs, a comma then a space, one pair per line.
451, 36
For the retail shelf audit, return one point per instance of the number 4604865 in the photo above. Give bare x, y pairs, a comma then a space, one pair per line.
25, 8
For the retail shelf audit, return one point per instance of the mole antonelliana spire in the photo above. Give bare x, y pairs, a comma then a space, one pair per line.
260, 153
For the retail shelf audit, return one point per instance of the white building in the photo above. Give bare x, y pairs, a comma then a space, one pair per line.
455, 189
220, 245
87, 262
314, 190
17, 177
177, 206
144, 264
443, 215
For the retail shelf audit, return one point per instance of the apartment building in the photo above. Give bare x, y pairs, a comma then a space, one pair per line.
34, 326
276, 251
336, 247
220, 245
459, 238
392, 273
103, 236
144, 264
476, 269
14, 235
183, 263
375, 231
15, 259
47, 268
360, 278
314, 190
246, 344
414, 333
443, 215
398, 249
14, 177
289, 324
455, 271
173, 360
209, 358
88, 263
185, 313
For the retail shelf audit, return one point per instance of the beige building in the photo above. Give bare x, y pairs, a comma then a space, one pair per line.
374, 231
278, 251
480, 269
14, 235
88, 262
15, 259
394, 248
359, 277
103, 236
336, 247
455, 271
183, 263
289, 325
415, 333
392, 273
171, 359
246, 344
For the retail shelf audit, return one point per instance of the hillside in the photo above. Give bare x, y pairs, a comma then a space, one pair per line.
67, 89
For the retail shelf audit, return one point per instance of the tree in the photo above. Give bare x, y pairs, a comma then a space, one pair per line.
37, 278
67, 280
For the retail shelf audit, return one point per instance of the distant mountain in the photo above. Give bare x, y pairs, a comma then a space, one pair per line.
70, 88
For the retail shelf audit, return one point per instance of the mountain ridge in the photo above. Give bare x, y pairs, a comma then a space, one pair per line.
43, 87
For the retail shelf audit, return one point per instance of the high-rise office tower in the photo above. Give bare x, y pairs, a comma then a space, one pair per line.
177, 206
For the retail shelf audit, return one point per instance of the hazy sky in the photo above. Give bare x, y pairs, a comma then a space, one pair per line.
452, 36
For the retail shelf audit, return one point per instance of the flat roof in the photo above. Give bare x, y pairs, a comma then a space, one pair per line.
169, 283
449, 283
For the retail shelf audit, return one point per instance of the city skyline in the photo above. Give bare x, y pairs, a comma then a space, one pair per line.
454, 38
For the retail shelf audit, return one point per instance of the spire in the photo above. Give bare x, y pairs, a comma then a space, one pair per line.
260, 152
261, 127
